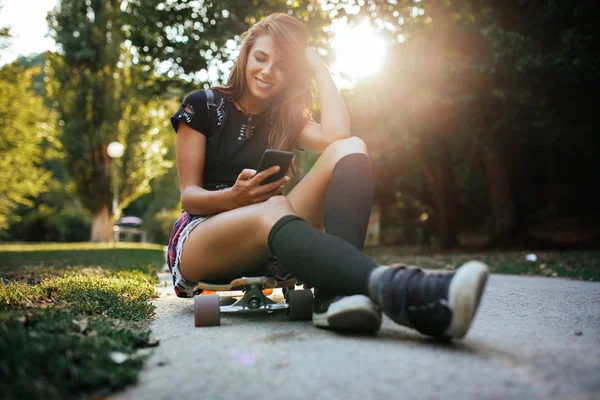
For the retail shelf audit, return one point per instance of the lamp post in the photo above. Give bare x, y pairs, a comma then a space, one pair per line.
115, 151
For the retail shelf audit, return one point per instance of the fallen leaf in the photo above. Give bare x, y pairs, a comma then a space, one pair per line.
118, 358
153, 343
81, 324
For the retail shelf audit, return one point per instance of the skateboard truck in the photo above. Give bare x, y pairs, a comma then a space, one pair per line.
207, 307
253, 300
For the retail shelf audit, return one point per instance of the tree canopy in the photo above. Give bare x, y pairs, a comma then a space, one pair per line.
100, 96
28, 136
481, 119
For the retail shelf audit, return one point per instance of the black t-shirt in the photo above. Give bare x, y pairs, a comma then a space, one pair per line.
230, 148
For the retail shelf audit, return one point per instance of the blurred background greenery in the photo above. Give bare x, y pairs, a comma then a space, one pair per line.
479, 117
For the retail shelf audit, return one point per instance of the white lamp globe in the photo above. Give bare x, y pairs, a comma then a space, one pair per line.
115, 150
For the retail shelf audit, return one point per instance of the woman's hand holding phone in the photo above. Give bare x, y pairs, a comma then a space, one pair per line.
248, 189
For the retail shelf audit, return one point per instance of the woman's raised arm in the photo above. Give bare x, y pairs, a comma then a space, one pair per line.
335, 123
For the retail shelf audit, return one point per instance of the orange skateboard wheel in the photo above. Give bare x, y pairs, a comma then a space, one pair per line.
208, 292
267, 291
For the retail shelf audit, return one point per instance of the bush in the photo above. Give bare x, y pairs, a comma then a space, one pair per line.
73, 226
160, 225
45, 225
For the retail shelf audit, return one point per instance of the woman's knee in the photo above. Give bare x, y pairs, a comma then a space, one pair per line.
274, 208
343, 147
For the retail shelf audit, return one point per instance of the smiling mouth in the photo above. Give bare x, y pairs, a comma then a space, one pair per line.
263, 85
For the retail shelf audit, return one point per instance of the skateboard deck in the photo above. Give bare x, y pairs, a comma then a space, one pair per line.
245, 283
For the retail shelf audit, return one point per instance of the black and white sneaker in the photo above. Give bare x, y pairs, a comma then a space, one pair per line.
441, 305
355, 313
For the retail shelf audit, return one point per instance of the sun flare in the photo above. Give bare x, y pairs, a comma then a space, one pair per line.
359, 51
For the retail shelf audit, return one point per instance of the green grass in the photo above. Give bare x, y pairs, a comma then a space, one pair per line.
577, 265
72, 317
37, 261
45, 354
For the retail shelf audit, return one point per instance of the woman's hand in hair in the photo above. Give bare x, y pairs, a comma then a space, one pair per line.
248, 190
313, 59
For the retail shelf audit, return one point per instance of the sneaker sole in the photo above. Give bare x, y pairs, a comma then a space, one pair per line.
352, 313
464, 296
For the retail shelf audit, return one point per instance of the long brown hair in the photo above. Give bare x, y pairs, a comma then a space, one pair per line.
290, 111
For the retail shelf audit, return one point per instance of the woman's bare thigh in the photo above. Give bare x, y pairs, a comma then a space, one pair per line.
231, 243
308, 196
234, 242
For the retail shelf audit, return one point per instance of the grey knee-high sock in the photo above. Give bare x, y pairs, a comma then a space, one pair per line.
349, 199
320, 259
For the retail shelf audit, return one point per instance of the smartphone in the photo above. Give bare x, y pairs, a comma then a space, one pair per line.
271, 158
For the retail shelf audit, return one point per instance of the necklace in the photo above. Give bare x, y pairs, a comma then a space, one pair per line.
247, 129
244, 110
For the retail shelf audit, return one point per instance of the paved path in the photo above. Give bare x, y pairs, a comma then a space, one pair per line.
533, 338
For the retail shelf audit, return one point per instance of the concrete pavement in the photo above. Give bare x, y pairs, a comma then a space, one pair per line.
533, 338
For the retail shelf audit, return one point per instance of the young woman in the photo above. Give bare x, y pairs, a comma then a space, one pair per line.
232, 226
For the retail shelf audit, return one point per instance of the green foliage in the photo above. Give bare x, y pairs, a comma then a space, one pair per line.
469, 113
45, 355
149, 138
122, 296
32, 248
190, 36
84, 83
27, 137
18, 294
45, 224
71, 256
83, 317
4, 37
56, 215
479, 114
102, 97
160, 224
161, 207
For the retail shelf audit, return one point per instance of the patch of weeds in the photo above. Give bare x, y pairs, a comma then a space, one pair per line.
115, 296
71, 318
577, 265
123, 295
18, 294
55, 354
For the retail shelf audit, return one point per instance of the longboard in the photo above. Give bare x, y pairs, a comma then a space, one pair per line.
245, 283
207, 307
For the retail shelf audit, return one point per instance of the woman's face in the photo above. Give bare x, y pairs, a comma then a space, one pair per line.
266, 69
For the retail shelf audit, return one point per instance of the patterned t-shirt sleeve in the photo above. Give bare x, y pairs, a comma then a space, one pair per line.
193, 112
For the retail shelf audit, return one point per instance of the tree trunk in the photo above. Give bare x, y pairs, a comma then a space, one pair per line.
501, 196
446, 223
385, 201
102, 226
447, 200
439, 177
